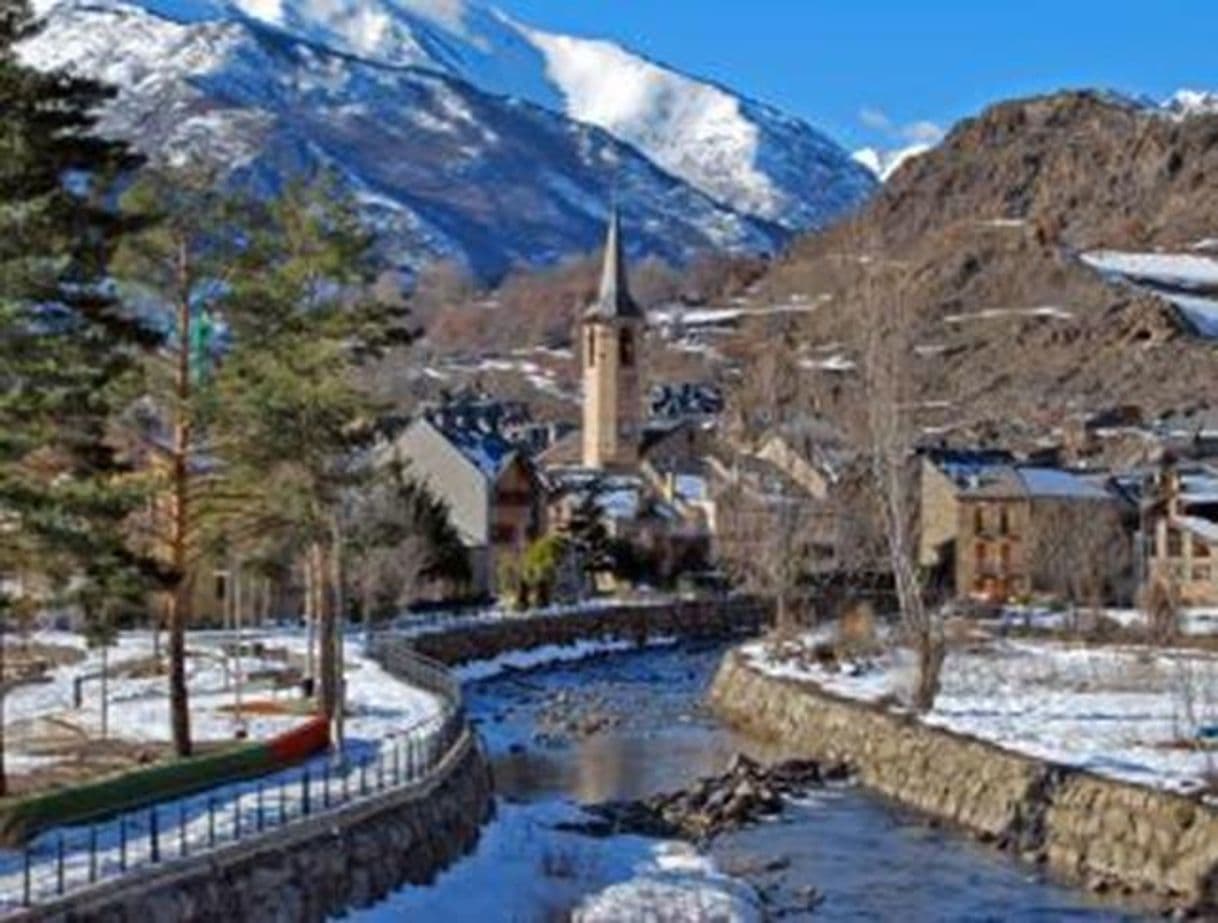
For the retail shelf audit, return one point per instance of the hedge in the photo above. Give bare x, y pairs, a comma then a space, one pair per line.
23, 818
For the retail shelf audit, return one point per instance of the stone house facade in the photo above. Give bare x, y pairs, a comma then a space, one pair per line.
1022, 531
494, 497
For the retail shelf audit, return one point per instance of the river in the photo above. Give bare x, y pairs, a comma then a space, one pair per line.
839, 854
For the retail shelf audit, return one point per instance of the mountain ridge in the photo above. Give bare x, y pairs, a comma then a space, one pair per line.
258, 95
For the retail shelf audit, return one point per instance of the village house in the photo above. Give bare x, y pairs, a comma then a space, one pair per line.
494, 496
943, 474
1182, 528
1021, 531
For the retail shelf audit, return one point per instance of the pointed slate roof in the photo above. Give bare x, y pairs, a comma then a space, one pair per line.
614, 301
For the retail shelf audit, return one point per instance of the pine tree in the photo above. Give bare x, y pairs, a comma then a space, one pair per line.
69, 355
178, 269
293, 420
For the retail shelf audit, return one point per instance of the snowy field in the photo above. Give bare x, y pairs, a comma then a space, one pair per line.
392, 733
378, 704
1129, 712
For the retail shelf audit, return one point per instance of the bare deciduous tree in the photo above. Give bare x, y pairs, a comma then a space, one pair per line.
889, 434
771, 537
1078, 552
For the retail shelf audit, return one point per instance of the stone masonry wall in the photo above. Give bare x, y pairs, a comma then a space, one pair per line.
688, 619
1105, 834
315, 869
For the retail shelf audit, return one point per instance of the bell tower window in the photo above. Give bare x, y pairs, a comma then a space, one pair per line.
625, 343
591, 348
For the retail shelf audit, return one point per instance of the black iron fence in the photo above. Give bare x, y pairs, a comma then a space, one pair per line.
70, 859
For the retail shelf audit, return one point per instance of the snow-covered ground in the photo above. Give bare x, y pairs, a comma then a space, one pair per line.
378, 704
1132, 713
391, 736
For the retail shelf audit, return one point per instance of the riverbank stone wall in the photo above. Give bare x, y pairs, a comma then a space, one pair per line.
686, 619
312, 871
1107, 835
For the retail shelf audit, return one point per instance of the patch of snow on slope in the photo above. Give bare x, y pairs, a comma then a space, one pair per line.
692, 129
1188, 281
1183, 270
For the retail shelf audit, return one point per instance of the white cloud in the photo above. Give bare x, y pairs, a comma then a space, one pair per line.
920, 132
875, 118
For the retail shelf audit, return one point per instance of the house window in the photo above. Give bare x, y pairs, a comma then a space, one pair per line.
591, 348
1004, 521
221, 587
625, 341
980, 552
979, 520
1200, 549
1005, 557
1175, 543
1201, 573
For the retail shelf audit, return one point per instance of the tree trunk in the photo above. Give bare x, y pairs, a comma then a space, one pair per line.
327, 643
182, 597
3, 702
105, 691
238, 602
310, 601
366, 604
332, 653
931, 653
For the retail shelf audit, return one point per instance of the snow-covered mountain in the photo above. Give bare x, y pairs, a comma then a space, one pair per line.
884, 163
464, 132
1187, 103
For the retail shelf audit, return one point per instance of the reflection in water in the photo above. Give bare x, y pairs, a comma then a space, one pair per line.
870, 860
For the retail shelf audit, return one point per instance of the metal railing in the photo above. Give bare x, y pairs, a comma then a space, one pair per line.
68, 860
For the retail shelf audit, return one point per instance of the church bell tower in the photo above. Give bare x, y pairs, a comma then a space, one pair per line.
611, 340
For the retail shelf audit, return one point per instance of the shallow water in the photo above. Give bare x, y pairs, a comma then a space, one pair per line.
864, 858
868, 859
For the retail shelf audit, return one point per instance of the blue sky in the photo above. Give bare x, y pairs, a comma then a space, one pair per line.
872, 72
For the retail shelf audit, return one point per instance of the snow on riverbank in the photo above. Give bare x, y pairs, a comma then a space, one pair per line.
526, 869
547, 654
1131, 713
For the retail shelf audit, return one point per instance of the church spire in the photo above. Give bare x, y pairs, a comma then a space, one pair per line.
614, 301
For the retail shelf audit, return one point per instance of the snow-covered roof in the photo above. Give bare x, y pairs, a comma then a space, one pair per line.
490, 453
1054, 482
1202, 528
691, 487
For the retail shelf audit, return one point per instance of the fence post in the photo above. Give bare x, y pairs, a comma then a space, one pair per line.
237, 816
59, 865
380, 768
154, 838
25, 876
283, 802
92, 853
397, 762
363, 778
260, 823
211, 821
304, 791
122, 843
325, 786
182, 844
